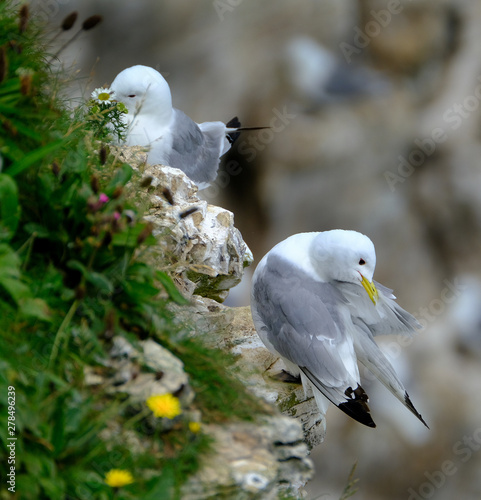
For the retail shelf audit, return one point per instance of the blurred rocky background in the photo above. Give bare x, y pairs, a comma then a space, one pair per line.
374, 110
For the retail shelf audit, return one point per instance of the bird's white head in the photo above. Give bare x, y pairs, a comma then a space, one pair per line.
345, 256
144, 91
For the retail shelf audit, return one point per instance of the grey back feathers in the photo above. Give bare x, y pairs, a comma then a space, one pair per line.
194, 152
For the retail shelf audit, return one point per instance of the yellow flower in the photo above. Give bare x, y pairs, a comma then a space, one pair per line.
116, 478
194, 427
164, 405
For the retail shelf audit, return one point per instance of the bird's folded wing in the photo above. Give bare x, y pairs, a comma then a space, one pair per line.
303, 320
192, 150
187, 136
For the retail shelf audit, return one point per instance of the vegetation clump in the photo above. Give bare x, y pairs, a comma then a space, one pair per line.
72, 277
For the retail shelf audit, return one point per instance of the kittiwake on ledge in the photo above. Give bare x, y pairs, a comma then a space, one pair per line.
314, 304
173, 138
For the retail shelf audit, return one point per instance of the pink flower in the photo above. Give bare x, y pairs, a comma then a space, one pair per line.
103, 198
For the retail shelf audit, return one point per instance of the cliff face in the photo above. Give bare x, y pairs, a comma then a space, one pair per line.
206, 255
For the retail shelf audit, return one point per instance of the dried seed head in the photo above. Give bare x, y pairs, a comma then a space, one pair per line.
145, 233
16, 47
26, 84
69, 21
109, 325
146, 181
80, 292
107, 239
55, 168
10, 127
184, 214
117, 193
103, 155
94, 183
24, 16
91, 22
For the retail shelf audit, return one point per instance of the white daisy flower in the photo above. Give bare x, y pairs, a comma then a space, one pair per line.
103, 95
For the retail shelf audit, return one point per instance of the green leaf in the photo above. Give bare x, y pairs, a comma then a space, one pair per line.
9, 208
11, 86
170, 288
25, 487
54, 487
38, 229
29, 159
35, 308
129, 237
78, 266
10, 274
140, 291
99, 281
161, 488
96, 279
33, 464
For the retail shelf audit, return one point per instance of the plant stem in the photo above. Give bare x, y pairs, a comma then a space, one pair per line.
60, 332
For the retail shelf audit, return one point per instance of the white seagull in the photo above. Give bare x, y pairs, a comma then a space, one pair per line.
174, 139
315, 305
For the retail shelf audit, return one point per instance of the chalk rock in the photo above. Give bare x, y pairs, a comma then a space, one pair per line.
260, 370
140, 374
200, 239
252, 460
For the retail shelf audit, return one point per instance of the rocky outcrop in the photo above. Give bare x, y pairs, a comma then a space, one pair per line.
200, 239
263, 374
207, 257
253, 460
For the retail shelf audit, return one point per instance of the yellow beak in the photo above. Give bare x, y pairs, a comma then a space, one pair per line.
370, 289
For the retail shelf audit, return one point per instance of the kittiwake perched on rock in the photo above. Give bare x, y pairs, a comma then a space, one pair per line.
173, 138
317, 75
314, 303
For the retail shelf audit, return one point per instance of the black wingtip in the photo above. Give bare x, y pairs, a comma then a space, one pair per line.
234, 123
359, 411
356, 406
232, 136
410, 405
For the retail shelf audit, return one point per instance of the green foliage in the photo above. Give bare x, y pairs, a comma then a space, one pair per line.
219, 396
105, 115
71, 277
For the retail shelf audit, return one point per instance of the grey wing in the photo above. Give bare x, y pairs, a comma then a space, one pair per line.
193, 151
303, 323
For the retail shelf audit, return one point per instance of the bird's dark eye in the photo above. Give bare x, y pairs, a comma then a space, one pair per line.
362, 262
132, 95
